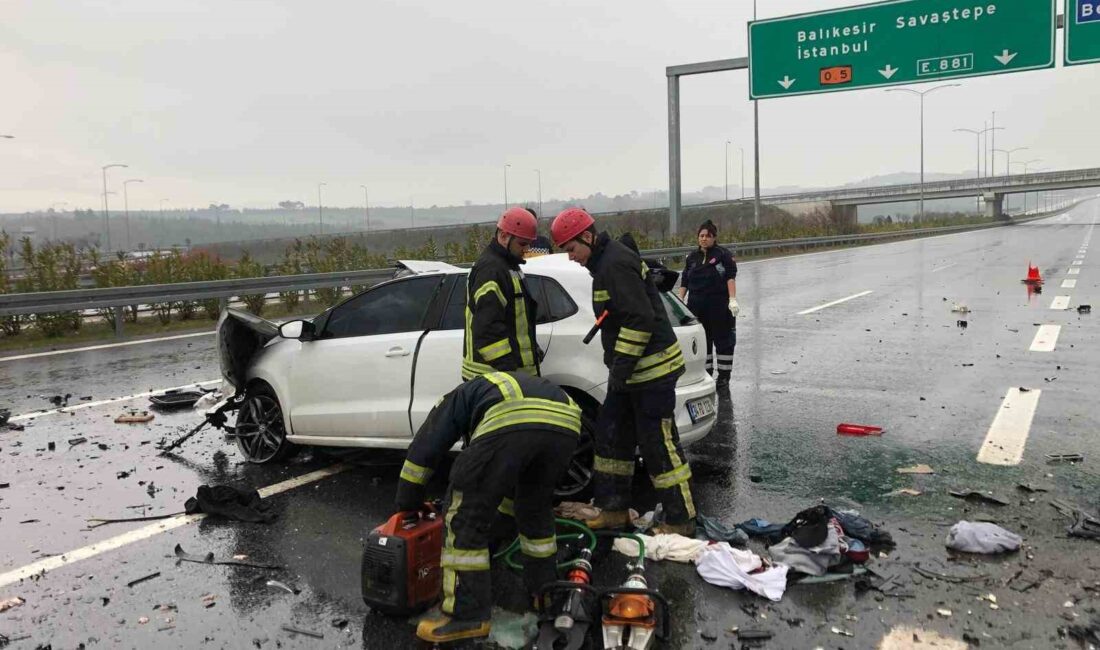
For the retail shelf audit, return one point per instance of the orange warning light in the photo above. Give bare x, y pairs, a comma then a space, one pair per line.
838, 74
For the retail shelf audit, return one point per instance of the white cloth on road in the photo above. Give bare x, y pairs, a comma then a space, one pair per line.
676, 548
982, 537
721, 564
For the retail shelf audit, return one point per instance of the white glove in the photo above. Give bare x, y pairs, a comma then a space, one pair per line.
735, 308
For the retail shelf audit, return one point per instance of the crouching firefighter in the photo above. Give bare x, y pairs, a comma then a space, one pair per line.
519, 433
644, 361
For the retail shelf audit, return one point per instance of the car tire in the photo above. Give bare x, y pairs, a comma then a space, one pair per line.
260, 430
576, 484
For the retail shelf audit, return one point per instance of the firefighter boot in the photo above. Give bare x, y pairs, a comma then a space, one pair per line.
609, 519
445, 629
687, 529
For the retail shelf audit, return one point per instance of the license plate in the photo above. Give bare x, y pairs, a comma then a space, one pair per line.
700, 408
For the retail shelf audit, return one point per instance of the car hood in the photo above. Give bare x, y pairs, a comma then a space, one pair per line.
241, 335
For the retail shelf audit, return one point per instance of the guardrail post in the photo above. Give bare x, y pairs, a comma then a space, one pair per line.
120, 316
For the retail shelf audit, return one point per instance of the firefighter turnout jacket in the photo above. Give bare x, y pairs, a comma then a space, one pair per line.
486, 408
640, 347
500, 317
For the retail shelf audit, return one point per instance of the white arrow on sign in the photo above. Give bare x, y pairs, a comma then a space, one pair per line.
787, 82
888, 71
1005, 57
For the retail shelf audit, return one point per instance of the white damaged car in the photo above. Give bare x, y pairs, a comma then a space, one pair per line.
366, 372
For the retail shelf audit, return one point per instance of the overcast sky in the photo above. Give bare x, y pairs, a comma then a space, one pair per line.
250, 103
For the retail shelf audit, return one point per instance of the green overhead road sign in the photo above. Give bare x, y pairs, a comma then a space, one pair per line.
898, 42
1082, 32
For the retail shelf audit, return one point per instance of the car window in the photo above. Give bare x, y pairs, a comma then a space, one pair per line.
554, 301
678, 313
454, 315
394, 307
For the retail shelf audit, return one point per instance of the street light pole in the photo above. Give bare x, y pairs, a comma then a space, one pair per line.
412, 214
320, 210
756, 151
126, 207
1008, 158
366, 205
921, 94
742, 173
106, 208
1026, 164
506, 166
539, 173
726, 169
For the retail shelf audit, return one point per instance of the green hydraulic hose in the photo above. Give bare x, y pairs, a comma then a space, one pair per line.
585, 532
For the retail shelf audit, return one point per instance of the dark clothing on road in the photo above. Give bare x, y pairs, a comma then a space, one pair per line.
521, 433
706, 273
639, 347
644, 360
500, 317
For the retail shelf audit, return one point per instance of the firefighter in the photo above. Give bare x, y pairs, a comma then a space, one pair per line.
520, 432
710, 283
500, 312
644, 361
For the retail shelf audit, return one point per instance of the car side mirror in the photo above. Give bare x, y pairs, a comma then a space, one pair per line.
297, 329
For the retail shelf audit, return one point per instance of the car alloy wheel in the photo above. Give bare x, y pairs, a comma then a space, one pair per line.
578, 476
260, 434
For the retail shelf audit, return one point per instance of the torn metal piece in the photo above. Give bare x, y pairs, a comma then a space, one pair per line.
77, 441
975, 495
294, 630
184, 556
285, 587
1065, 458
96, 522
143, 579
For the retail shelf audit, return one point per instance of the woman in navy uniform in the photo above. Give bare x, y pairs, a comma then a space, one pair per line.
710, 284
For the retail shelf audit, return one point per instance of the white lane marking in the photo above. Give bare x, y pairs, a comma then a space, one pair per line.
1046, 338
1060, 302
105, 346
940, 268
1069, 284
1074, 271
84, 405
1007, 436
1077, 262
125, 539
835, 302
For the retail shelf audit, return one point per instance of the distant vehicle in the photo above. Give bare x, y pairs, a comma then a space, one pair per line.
366, 372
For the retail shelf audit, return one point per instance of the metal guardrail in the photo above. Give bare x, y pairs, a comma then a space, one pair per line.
119, 297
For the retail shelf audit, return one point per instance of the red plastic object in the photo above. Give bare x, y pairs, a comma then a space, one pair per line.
401, 572
858, 430
1033, 276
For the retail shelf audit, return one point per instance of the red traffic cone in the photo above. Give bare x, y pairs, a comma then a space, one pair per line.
1033, 276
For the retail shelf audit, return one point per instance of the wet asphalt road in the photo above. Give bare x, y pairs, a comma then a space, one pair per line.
894, 357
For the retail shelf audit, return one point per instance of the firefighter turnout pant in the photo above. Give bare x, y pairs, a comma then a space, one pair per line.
645, 420
526, 464
720, 328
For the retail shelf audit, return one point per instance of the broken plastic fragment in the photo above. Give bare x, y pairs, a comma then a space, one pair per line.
916, 469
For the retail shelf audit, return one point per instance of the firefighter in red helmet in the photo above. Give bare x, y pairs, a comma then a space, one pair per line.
644, 361
500, 311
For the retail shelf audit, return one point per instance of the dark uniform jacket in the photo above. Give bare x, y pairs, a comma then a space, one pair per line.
482, 412
706, 273
500, 317
640, 347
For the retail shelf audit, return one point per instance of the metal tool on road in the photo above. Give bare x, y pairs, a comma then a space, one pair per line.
401, 572
570, 608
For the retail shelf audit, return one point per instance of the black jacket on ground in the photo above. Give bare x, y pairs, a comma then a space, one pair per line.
500, 317
640, 347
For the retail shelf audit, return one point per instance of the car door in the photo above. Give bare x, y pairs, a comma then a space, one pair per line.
439, 361
356, 377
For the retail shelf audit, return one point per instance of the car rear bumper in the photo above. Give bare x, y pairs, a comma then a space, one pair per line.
694, 431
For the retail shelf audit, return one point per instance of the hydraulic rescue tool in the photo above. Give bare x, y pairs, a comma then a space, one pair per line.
634, 616
565, 624
400, 572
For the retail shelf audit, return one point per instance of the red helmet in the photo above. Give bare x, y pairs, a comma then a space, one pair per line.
518, 222
569, 224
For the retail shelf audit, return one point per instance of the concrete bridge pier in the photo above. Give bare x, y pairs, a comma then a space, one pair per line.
994, 205
845, 213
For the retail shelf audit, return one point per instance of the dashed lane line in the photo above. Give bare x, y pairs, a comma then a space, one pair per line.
1060, 302
1077, 262
113, 400
1069, 284
940, 268
145, 532
1007, 436
834, 303
105, 346
1074, 271
1046, 338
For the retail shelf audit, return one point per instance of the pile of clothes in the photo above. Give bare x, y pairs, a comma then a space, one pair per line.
817, 541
